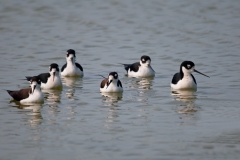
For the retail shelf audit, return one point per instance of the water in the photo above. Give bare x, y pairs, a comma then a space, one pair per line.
147, 121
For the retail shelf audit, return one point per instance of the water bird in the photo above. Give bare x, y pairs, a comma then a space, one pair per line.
29, 95
140, 69
111, 84
51, 80
184, 79
71, 68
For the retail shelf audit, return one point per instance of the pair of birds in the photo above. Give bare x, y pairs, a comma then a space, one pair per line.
182, 80
139, 69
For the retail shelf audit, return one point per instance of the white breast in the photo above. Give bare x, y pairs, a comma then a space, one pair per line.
186, 83
111, 88
57, 83
142, 72
72, 70
36, 97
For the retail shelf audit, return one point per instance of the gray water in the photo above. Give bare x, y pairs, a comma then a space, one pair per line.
147, 121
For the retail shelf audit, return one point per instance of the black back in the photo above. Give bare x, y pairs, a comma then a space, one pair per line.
42, 77
176, 78
133, 67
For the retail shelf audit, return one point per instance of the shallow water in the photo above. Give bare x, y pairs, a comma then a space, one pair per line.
146, 121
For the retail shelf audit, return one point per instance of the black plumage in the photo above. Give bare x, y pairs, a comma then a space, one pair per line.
77, 65
133, 67
42, 77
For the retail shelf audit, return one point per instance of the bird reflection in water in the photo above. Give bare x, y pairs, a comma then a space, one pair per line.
141, 83
188, 97
35, 112
143, 86
52, 96
111, 100
72, 83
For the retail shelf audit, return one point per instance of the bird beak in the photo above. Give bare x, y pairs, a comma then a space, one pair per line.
200, 73
34, 88
108, 83
54, 75
72, 59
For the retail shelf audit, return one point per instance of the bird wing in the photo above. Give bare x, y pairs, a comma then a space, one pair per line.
79, 66
103, 83
44, 77
64, 66
20, 94
119, 83
176, 78
133, 67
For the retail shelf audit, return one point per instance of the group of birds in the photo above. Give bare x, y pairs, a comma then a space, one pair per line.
52, 80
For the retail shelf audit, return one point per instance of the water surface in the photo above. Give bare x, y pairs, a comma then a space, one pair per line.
147, 121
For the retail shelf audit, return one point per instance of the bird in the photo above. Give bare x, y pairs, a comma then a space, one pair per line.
29, 95
71, 68
184, 79
140, 69
111, 84
51, 80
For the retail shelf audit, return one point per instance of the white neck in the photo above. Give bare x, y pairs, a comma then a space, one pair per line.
186, 72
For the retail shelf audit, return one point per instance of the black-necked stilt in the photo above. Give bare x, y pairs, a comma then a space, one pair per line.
140, 69
111, 84
51, 80
184, 79
29, 95
71, 68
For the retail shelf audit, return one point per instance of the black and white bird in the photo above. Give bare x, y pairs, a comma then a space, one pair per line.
184, 79
51, 80
111, 84
29, 95
140, 69
71, 68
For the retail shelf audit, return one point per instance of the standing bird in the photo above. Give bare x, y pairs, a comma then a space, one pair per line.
184, 79
29, 95
51, 80
71, 68
111, 84
140, 69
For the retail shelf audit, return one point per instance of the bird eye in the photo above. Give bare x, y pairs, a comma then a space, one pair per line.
188, 66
